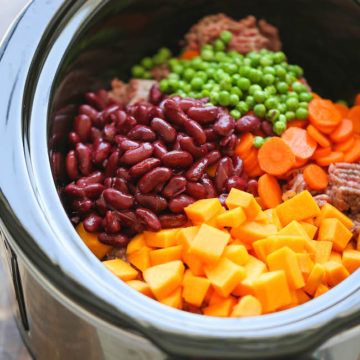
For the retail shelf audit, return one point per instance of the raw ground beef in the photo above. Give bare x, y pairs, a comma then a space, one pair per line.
248, 33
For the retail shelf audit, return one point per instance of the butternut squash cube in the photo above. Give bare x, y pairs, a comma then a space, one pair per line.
220, 309
306, 264
162, 238
285, 259
174, 299
294, 228
186, 235
272, 290
302, 296
335, 256
194, 264
322, 289
310, 229
252, 231
231, 218
136, 243
224, 276
315, 278
163, 279
335, 273
203, 210
351, 260
209, 244
247, 306
332, 229
140, 258
329, 211
245, 200
140, 286
161, 256
299, 207
121, 269
195, 289
273, 217
237, 254
262, 248
322, 251
295, 243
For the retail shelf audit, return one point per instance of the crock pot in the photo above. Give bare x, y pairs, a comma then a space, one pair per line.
68, 305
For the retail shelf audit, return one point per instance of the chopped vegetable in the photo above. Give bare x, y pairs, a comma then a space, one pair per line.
333, 157
343, 131
323, 114
269, 191
315, 177
318, 136
301, 144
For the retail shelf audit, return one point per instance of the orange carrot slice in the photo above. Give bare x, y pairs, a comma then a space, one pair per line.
343, 131
354, 116
269, 191
299, 162
298, 123
321, 152
345, 146
333, 157
323, 113
357, 99
244, 145
343, 109
315, 177
353, 154
301, 144
189, 54
318, 136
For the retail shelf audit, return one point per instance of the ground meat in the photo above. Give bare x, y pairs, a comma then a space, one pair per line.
295, 184
160, 72
248, 33
129, 93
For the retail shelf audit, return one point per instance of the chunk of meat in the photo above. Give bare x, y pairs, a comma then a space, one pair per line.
160, 72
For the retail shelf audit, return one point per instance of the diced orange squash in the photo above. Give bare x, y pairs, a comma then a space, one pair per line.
237, 254
174, 299
194, 264
220, 309
310, 221
332, 229
358, 243
91, 241
195, 289
322, 289
213, 220
136, 243
350, 246
305, 263
299, 207
208, 295
163, 279
240, 242
309, 228
140, 258
262, 248
252, 231
294, 301
315, 279
247, 306
186, 235
329, 211
294, 228
295, 243
335, 272
216, 298
121, 269
224, 276
273, 217
253, 269
323, 250
335, 256
203, 210
285, 259
272, 290
245, 200
209, 244
231, 218
140, 286
161, 239
161, 256
351, 260
302, 296
262, 218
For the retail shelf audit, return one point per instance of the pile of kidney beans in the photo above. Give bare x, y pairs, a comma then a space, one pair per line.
133, 168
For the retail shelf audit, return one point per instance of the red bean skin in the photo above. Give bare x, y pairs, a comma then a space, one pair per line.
178, 204
187, 144
95, 100
187, 103
142, 114
150, 219
144, 166
142, 133
203, 115
236, 182
195, 131
111, 223
177, 159
117, 240
248, 123
266, 127
95, 134
196, 190
72, 165
164, 130
223, 171
73, 139
112, 163
101, 150
238, 166
209, 187
224, 125
213, 157
123, 173
82, 206
174, 187
155, 95
252, 187
127, 144
173, 112
197, 170
93, 223
89, 111
159, 149
83, 155
138, 154
93, 191
153, 178
116, 183
117, 199
211, 135
129, 219
153, 202
168, 221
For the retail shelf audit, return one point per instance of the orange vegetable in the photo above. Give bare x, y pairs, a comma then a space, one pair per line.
353, 154
247, 306
333, 157
237, 254
189, 54
161, 256
244, 145
136, 243
305, 263
342, 108
121, 269
161, 239
351, 260
330, 211
321, 152
174, 299
335, 272
322, 289
269, 191
245, 200
315, 279
220, 309
322, 251
354, 116
301, 144
310, 229
231, 218
255, 171
345, 146
252, 231
333, 230
335, 256
323, 114
318, 136
195, 289
297, 123
140, 286
276, 157
203, 210
357, 99
315, 177
299, 163
140, 258
343, 131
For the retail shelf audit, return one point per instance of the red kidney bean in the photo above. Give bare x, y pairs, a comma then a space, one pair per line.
252, 187
155, 95
186, 103
116, 183
168, 221
153, 178
248, 123
209, 187
82, 206
173, 112
174, 187
177, 159
224, 125
142, 133
228, 144
83, 155
119, 119
159, 149
127, 144
74, 190
117, 199
238, 165
178, 204
144, 166
163, 129
223, 171
82, 126
142, 114
211, 135
196, 190
95, 134
154, 202
109, 132
112, 163
92, 223
89, 111
117, 240
106, 113
222, 198
197, 170
203, 115
195, 130
266, 127
111, 223
123, 173
100, 206
71, 165
101, 151
236, 182
210, 146
134, 156
213, 157
150, 219
58, 164
129, 219
73, 138
158, 112
93, 191
95, 100
187, 144
120, 138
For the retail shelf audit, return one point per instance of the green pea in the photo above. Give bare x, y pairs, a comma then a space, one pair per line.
247, 62
297, 70
158, 59
234, 99
271, 102
250, 101
268, 79
147, 75
173, 76
272, 115
147, 62
280, 71
225, 36
219, 45
244, 71
220, 56
260, 110
225, 85
205, 92
210, 72
301, 113
242, 107
279, 57
207, 55
243, 83
230, 68
292, 103
233, 54
237, 91
224, 98
255, 75
255, 58
279, 127
219, 75
344, 102
164, 85
174, 84
259, 96
258, 142
269, 70
292, 94
178, 69
290, 115
299, 87
197, 83
282, 87
235, 78
207, 86
214, 97
282, 118
290, 79
270, 90
137, 71
253, 88
165, 52
266, 61
202, 75
282, 108
187, 87
235, 114
304, 104
305, 96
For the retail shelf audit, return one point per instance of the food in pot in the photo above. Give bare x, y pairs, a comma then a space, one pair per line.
214, 177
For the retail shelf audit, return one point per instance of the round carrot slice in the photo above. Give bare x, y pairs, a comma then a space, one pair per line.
269, 191
354, 116
353, 154
301, 144
244, 145
315, 177
343, 109
318, 136
343, 131
333, 157
345, 146
321, 152
323, 113
275, 157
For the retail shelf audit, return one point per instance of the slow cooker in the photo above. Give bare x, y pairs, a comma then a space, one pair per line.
68, 305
